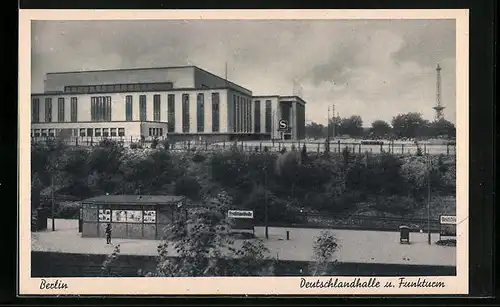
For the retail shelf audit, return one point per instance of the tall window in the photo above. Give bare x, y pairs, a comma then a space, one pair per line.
35, 110
268, 116
74, 109
257, 116
60, 109
48, 110
235, 113
100, 108
128, 108
215, 112
200, 112
156, 108
171, 112
185, 113
142, 108
238, 114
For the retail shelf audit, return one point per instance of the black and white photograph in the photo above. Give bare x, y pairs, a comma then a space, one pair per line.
320, 155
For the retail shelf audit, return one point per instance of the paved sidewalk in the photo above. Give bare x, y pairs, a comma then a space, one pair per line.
355, 245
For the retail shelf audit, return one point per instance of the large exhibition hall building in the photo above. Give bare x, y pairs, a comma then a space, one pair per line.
181, 103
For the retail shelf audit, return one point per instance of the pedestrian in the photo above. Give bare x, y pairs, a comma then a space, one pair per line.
108, 233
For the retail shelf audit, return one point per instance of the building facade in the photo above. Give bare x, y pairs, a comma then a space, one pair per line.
181, 103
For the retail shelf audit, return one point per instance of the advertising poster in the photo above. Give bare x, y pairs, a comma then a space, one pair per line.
150, 216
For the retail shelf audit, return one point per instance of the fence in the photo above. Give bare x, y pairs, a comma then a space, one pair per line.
268, 145
358, 222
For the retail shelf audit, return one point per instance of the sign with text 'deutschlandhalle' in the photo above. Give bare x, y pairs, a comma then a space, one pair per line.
243, 219
448, 225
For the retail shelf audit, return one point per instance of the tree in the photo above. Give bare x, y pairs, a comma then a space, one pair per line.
442, 128
324, 247
409, 125
352, 126
200, 244
109, 262
315, 131
380, 129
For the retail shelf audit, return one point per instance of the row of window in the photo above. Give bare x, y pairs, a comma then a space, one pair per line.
268, 116
200, 113
118, 88
98, 132
35, 110
242, 114
101, 110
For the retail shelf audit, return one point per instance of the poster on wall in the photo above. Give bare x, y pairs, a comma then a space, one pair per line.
104, 215
150, 216
134, 216
119, 216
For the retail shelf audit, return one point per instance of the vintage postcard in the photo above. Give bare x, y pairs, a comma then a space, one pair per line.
243, 152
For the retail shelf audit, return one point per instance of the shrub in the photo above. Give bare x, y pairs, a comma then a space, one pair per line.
266, 149
69, 210
188, 186
154, 143
199, 157
166, 145
134, 145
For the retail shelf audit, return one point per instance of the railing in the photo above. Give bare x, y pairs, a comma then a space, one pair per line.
264, 145
358, 222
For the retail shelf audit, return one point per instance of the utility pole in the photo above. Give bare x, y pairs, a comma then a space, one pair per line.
428, 199
265, 204
333, 122
328, 126
53, 203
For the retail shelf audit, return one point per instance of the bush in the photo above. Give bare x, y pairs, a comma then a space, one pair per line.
154, 143
69, 210
188, 186
199, 157
135, 146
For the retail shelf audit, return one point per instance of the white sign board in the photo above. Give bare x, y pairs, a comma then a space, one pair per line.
240, 214
448, 219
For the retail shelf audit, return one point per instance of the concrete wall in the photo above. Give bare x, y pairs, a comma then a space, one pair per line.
181, 77
52, 264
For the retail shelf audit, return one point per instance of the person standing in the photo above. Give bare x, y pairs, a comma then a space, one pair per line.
108, 233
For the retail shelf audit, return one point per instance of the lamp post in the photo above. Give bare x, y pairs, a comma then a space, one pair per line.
266, 204
428, 199
53, 202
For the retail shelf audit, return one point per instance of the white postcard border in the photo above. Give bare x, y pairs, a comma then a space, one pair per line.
240, 285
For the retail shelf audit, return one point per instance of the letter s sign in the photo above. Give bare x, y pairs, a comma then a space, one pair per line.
283, 124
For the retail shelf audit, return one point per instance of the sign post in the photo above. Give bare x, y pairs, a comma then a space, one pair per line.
243, 220
448, 225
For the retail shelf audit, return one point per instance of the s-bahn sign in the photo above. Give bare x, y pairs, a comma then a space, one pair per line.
240, 214
243, 220
448, 219
448, 225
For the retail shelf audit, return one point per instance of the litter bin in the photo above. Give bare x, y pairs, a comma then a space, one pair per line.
404, 234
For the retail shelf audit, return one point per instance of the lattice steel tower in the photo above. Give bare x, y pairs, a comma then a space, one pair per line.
438, 107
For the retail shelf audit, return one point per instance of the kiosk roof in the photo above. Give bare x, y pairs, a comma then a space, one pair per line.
135, 199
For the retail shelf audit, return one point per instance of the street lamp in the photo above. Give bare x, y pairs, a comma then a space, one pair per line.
265, 203
428, 162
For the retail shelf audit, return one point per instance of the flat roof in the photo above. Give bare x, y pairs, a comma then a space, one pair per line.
135, 199
146, 68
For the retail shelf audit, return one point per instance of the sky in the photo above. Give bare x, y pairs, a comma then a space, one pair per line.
376, 69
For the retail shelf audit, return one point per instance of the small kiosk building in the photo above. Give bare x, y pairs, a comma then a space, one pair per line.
131, 216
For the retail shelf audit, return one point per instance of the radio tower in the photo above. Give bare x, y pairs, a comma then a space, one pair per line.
438, 107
